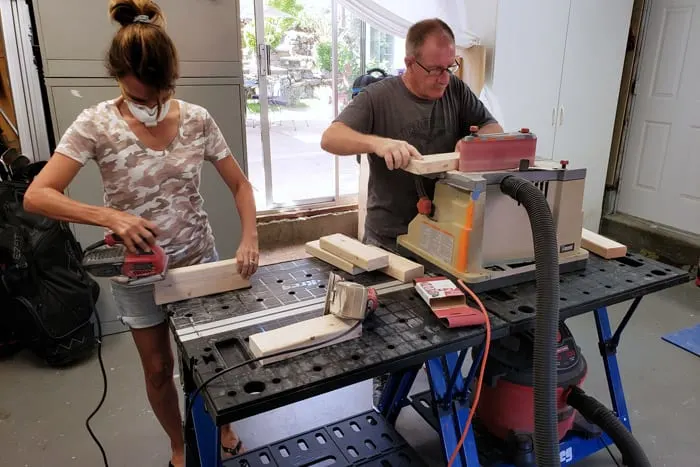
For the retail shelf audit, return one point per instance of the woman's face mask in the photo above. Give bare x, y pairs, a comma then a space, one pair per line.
149, 116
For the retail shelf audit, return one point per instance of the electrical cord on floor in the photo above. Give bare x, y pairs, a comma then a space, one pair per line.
610, 452
104, 389
480, 380
190, 406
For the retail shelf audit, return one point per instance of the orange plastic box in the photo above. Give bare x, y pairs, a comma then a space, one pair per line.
502, 151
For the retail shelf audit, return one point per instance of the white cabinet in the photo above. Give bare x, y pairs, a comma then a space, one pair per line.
75, 35
557, 70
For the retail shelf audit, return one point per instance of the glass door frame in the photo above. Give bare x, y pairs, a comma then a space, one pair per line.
263, 53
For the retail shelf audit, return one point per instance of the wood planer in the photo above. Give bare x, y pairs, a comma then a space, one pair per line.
473, 231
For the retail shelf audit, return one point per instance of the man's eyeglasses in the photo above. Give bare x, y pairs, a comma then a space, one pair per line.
438, 71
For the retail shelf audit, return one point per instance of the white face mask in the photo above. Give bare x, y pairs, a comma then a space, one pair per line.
148, 115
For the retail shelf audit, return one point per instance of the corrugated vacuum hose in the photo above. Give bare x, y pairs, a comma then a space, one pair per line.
544, 235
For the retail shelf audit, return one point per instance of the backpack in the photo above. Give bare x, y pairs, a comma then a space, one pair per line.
368, 78
47, 297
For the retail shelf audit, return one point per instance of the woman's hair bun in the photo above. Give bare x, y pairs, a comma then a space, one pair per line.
125, 12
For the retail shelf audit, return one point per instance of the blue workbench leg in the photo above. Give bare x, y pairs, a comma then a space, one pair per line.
395, 394
207, 434
450, 392
607, 343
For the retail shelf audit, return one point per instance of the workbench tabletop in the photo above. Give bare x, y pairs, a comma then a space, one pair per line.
211, 331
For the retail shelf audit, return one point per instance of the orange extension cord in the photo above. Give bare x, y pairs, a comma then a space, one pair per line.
480, 380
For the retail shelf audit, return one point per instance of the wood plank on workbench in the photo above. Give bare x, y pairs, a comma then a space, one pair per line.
354, 251
400, 268
314, 249
199, 280
602, 246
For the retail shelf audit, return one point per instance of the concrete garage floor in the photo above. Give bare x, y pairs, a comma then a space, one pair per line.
43, 411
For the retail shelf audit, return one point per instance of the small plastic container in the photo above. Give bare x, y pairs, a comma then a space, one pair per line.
502, 151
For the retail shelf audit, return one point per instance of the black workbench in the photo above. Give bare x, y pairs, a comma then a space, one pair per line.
402, 333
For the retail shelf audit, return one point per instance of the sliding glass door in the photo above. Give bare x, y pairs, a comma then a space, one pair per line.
300, 60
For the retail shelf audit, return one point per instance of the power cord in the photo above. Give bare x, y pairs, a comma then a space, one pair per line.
190, 400
104, 389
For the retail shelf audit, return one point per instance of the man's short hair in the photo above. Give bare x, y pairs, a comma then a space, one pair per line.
419, 31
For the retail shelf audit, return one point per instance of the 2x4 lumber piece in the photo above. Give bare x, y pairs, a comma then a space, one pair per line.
602, 246
354, 251
325, 330
400, 268
434, 163
199, 280
314, 249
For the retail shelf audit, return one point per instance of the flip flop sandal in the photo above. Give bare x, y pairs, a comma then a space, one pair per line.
235, 450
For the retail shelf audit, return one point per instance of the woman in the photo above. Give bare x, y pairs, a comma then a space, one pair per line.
149, 148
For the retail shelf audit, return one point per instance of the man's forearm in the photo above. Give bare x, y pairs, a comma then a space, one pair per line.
342, 140
245, 203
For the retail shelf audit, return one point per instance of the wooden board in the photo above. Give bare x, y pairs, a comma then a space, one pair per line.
434, 163
602, 246
302, 334
314, 249
199, 280
400, 268
354, 251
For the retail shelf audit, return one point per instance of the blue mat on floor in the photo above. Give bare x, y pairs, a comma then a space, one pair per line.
687, 339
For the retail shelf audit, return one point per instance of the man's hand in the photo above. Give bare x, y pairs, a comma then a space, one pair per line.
397, 154
247, 257
135, 231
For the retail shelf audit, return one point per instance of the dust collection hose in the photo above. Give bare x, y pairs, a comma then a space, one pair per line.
544, 235
606, 420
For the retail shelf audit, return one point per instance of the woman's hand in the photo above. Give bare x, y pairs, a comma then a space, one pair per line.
135, 231
247, 257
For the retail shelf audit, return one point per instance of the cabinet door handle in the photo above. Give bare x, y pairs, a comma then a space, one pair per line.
554, 116
561, 115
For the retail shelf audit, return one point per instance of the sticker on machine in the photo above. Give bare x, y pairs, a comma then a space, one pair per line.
436, 243
566, 248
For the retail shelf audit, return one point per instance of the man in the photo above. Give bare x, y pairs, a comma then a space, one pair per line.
425, 111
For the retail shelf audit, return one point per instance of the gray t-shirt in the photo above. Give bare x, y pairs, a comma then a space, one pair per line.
388, 109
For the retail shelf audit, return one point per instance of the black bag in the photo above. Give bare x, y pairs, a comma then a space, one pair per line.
368, 78
47, 297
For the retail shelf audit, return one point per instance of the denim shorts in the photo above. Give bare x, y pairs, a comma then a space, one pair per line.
137, 306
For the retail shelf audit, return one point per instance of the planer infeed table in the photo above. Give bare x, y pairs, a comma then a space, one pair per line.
398, 338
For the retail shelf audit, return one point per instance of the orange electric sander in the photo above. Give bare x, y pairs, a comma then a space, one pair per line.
111, 258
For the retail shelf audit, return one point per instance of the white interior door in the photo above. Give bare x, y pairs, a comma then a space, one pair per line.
661, 172
590, 86
527, 79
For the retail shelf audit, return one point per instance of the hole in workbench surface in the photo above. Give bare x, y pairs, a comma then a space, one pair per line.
317, 368
370, 445
259, 299
302, 445
320, 438
279, 281
602, 269
355, 357
500, 295
355, 427
338, 433
208, 359
264, 459
276, 381
231, 393
391, 346
608, 286
352, 451
563, 299
283, 451
526, 309
402, 320
291, 292
581, 275
321, 286
218, 369
629, 261
424, 403
386, 437
225, 307
586, 292
629, 280
424, 337
207, 349
371, 420
309, 275
188, 315
254, 387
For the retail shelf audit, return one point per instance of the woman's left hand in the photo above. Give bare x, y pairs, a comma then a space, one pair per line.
247, 257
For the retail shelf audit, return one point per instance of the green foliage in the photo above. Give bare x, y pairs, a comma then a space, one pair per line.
274, 27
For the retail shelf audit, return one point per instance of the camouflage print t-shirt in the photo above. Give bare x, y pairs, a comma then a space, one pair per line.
161, 186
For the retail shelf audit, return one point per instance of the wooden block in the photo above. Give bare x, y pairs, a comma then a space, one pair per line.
354, 251
400, 268
602, 246
314, 248
302, 334
199, 280
434, 163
